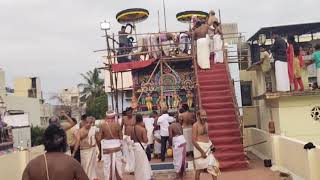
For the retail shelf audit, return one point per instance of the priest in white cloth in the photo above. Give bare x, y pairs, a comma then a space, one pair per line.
203, 46
139, 135
110, 140
85, 139
179, 144
203, 155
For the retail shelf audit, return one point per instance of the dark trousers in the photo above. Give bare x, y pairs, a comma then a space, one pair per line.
77, 154
149, 151
164, 140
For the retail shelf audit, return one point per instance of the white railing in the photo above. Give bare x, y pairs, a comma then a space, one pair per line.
287, 154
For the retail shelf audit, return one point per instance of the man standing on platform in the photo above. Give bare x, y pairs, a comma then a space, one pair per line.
186, 118
279, 52
163, 122
203, 156
109, 143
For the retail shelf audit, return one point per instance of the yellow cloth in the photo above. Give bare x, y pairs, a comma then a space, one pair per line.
71, 136
297, 68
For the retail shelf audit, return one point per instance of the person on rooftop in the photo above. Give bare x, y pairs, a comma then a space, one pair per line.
316, 60
279, 52
54, 164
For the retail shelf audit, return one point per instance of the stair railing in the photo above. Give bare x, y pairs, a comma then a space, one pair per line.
198, 104
233, 93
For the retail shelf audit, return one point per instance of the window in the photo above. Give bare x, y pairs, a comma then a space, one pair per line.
74, 99
246, 93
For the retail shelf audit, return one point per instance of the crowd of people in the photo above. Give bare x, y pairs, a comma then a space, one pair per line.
290, 61
207, 33
123, 144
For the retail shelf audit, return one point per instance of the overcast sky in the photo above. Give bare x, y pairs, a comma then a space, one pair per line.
55, 39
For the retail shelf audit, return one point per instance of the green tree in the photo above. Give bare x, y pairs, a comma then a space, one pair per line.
93, 95
37, 136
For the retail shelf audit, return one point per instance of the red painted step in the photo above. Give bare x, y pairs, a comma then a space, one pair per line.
225, 140
238, 156
210, 76
217, 93
224, 118
223, 125
228, 148
225, 133
214, 87
218, 112
218, 105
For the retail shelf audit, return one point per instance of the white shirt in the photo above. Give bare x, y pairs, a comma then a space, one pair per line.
148, 122
163, 122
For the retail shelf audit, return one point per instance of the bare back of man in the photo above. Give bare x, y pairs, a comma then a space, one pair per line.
201, 31
186, 119
175, 129
60, 167
111, 130
139, 133
128, 123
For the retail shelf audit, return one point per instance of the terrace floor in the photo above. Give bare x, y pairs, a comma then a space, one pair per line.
256, 171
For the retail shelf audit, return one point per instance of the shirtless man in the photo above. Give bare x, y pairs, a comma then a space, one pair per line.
85, 139
203, 157
109, 143
54, 164
142, 170
187, 119
128, 123
179, 144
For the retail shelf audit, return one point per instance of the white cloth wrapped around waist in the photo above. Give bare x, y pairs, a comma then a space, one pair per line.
178, 140
110, 143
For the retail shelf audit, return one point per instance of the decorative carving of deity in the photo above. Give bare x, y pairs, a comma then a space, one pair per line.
134, 103
149, 102
162, 103
176, 100
189, 99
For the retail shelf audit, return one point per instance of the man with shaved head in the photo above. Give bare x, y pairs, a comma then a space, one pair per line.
109, 142
203, 156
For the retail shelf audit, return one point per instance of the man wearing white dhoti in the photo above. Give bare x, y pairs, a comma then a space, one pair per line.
142, 169
85, 139
217, 43
203, 156
149, 124
186, 118
179, 144
109, 141
128, 154
203, 46
279, 52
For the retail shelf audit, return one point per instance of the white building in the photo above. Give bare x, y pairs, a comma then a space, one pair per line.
27, 97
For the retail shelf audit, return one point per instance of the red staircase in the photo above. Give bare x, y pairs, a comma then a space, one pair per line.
217, 99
